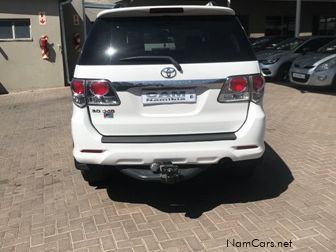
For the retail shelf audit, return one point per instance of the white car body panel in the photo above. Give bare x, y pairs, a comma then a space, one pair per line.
86, 137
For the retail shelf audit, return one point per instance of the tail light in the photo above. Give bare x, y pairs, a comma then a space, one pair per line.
242, 88
78, 93
78, 87
93, 92
238, 84
235, 89
99, 88
258, 84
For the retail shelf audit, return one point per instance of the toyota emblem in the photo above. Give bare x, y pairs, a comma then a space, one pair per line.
168, 72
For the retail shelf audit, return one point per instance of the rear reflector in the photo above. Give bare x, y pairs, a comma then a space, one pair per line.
245, 147
92, 151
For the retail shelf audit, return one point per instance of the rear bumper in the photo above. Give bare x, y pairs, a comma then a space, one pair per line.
85, 137
180, 173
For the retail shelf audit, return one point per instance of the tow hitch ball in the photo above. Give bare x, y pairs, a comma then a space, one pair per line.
169, 172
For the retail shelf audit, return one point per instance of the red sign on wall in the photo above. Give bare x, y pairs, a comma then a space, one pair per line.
42, 18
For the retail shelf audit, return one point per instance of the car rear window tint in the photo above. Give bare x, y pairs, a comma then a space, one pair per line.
188, 39
290, 44
329, 48
314, 44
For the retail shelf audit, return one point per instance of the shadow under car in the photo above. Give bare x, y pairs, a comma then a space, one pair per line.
207, 191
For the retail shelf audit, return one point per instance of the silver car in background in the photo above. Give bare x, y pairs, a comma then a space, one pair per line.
275, 63
316, 69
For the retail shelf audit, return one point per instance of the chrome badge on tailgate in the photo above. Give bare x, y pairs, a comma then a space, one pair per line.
168, 96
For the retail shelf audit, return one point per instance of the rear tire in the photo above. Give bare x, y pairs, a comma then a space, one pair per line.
93, 174
283, 73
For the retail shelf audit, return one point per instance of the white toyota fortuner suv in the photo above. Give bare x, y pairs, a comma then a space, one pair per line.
162, 93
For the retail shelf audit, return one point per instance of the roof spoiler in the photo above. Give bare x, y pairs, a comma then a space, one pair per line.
128, 3
122, 4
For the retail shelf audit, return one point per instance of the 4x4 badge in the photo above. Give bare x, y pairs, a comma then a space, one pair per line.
168, 72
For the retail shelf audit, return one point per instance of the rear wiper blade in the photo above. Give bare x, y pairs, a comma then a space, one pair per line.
166, 58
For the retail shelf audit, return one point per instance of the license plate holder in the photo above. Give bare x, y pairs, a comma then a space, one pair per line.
299, 76
168, 96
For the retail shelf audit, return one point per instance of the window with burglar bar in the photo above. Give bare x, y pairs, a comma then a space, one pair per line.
15, 29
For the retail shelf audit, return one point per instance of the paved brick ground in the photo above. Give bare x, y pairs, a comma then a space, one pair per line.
46, 205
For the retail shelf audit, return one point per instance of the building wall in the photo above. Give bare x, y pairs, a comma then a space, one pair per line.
72, 28
21, 66
254, 12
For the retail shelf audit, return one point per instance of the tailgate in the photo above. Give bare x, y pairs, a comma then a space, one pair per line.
202, 115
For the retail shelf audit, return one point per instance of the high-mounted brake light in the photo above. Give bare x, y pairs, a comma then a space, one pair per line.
165, 10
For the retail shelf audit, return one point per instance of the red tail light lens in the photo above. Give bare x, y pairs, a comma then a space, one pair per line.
99, 88
78, 92
238, 84
258, 82
93, 92
77, 87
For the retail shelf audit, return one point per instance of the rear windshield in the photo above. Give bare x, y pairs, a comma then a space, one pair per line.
188, 39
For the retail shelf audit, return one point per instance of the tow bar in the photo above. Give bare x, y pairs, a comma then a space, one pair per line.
169, 173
